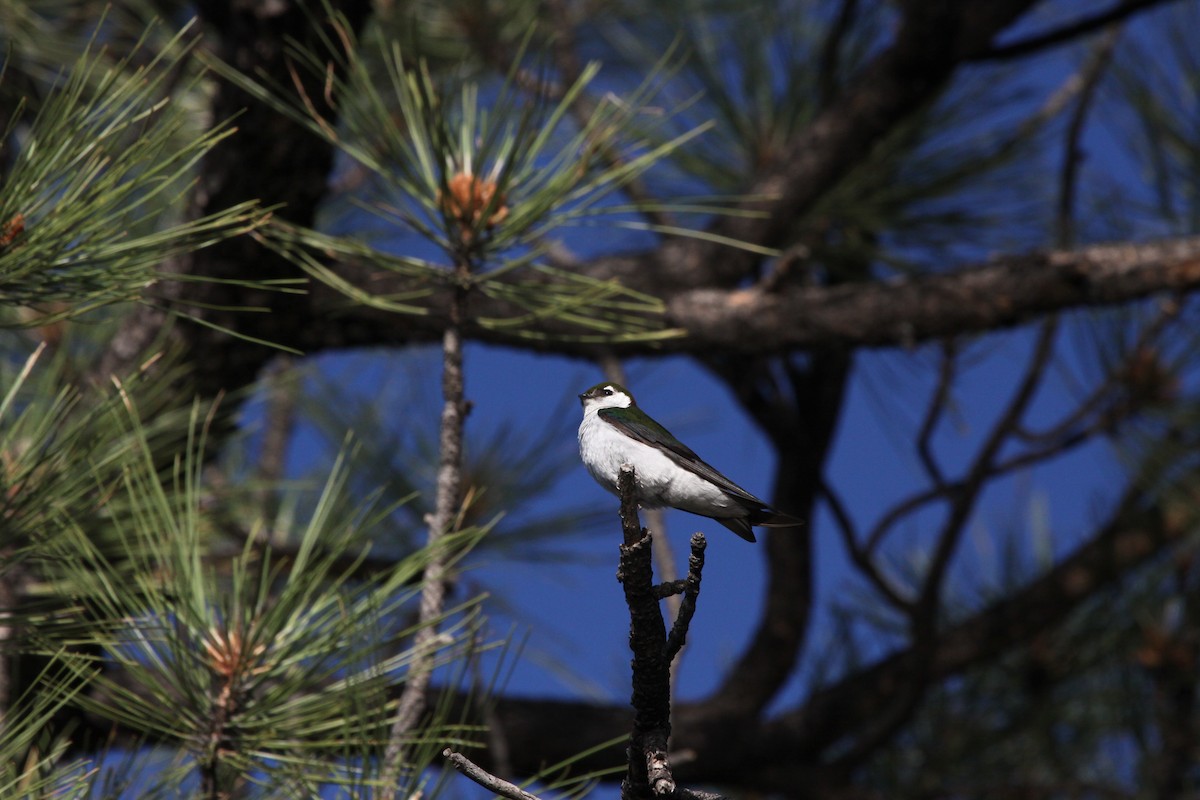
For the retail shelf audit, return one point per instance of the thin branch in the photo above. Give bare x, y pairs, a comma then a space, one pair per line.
1067, 440
486, 779
687, 607
1060, 430
925, 610
1067, 33
933, 415
925, 613
1113, 383
448, 496
1073, 149
862, 560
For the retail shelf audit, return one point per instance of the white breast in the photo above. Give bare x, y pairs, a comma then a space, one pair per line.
660, 481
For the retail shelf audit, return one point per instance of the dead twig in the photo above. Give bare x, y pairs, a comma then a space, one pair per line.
486, 779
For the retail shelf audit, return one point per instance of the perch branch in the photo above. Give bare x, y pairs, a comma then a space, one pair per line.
649, 771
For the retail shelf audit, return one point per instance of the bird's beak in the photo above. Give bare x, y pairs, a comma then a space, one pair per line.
581, 398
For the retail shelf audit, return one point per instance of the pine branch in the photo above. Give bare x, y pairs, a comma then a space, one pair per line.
1069, 32
1004, 292
86, 208
449, 493
486, 779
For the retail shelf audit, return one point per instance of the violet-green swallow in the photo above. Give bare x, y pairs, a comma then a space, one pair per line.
615, 432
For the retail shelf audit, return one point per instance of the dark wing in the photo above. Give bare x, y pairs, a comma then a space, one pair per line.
639, 426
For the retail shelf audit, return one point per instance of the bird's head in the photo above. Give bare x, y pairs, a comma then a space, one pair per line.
606, 395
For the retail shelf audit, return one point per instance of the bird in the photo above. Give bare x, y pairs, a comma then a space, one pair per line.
615, 432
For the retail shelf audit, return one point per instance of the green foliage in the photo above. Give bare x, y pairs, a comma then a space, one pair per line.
90, 209
485, 174
32, 763
940, 180
63, 446
270, 664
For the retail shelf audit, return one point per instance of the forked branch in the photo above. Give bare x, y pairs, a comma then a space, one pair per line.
649, 772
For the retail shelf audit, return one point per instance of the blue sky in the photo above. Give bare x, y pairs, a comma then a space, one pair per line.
572, 615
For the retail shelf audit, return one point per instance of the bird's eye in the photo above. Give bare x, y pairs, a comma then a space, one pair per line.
608, 392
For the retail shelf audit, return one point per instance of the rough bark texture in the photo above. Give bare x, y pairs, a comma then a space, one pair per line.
271, 159
905, 311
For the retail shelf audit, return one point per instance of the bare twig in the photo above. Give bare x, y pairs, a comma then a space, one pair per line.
690, 592
449, 490
983, 465
861, 558
486, 779
647, 632
937, 407
1073, 149
1069, 32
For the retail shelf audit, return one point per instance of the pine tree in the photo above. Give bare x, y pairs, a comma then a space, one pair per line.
808, 200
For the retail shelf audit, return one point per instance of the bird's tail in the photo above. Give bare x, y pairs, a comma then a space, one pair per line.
739, 525
764, 517
769, 518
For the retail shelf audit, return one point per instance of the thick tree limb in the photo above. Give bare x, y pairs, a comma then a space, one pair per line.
693, 277
271, 159
906, 311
